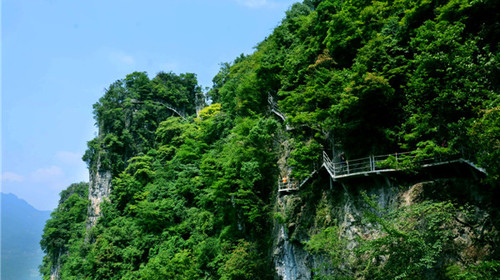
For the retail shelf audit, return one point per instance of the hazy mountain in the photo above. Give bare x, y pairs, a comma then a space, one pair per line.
22, 227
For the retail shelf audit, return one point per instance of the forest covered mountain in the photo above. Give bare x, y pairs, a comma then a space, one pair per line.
182, 188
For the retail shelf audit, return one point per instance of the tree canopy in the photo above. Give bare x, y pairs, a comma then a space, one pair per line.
192, 196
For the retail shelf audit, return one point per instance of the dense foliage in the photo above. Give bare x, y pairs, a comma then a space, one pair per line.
192, 194
131, 110
416, 241
66, 227
376, 77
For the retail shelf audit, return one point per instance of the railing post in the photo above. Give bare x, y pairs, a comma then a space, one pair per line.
329, 164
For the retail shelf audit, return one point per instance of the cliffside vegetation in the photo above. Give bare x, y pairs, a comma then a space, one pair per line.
194, 185
64, 231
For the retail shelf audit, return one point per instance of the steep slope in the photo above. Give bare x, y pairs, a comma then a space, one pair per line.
438, 224
64, 229
193, 194
22, 227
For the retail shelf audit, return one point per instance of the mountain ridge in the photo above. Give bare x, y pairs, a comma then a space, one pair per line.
22, 228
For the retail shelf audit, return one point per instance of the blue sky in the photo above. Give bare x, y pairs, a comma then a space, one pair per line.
58, 56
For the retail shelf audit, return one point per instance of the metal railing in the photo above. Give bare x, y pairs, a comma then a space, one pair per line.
381, 163
168, 106
377, 164
289, 185
274, 107
292, 185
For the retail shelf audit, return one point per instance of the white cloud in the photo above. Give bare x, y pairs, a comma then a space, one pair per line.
121, 57
49, 174
69, 158
12, 177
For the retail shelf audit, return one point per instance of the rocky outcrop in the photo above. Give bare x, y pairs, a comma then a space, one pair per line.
56, 268
54, 272
291, 262
99, 190
301, 214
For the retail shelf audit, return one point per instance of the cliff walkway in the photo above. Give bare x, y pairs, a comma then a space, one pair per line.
374, 165
166, 105
274, 107
275, 110
365, 166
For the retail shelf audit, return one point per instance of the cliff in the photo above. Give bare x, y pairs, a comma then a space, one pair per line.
280, 176
341, 211
99, 190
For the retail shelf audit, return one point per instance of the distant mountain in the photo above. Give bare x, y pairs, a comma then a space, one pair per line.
21, 227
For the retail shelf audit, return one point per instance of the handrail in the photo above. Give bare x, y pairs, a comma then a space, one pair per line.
168, 106
172, 109
290, 185
375, 164
274, 107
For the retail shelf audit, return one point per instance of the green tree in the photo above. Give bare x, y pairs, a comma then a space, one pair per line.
65, 227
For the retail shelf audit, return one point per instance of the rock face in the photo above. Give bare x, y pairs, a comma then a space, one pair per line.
54, 270
99, 190
291, 262
322, 204
305, 215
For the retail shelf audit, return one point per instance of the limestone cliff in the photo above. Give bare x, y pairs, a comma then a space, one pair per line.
99, 190
301, 214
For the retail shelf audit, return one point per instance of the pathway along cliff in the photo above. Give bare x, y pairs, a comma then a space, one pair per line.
326, 224
194, 194
338, 216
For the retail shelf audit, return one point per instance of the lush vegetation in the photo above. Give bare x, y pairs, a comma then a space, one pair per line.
192, 197
417, 241
65, 229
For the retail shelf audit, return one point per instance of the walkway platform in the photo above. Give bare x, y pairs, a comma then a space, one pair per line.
376, 165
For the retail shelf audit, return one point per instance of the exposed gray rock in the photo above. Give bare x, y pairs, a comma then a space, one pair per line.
99, 190
291, 262
307, 213
55, 269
